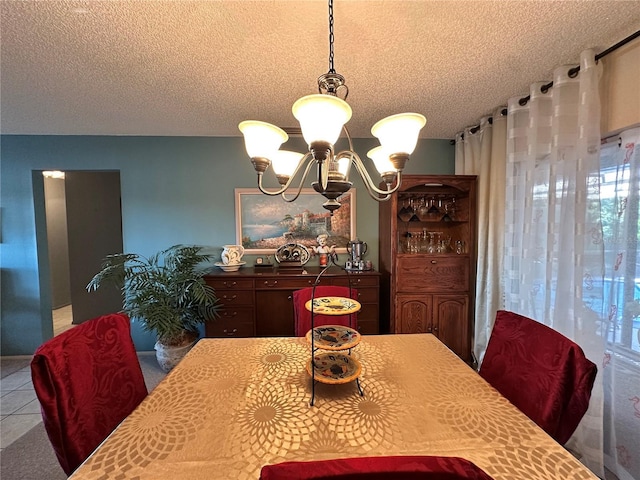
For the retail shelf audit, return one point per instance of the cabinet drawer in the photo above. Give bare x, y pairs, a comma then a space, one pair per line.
229, 327
433, 274
368, 295
229, 298
368, 312
242, 313
231, 283
366, 327
356, 281
284, 283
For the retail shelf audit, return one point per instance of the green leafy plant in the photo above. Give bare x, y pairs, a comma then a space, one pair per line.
165, 292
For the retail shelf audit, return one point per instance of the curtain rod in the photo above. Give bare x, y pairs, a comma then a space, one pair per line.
572, 73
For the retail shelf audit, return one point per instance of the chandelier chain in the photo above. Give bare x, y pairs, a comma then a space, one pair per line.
331, 37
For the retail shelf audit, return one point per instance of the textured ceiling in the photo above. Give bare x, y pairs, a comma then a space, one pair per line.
200, 67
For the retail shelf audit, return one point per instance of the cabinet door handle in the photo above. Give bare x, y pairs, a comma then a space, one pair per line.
429, 330
434, 262
270, 284
230, 284
232, 297
435, 329
290, 297
230, 314
230, 333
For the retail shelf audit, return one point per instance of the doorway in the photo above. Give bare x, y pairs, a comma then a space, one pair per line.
84, 224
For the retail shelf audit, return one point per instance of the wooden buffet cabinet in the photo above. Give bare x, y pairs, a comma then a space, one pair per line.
428, 259
260, 302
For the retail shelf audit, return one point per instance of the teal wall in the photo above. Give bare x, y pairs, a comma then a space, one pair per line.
174, 190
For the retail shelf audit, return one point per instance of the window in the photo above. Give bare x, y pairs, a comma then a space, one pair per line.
619, 203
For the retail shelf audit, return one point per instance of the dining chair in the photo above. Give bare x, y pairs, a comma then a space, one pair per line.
539, 370
87, 379
373, 468
303, 316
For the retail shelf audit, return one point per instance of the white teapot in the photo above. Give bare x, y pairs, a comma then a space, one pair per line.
232, 254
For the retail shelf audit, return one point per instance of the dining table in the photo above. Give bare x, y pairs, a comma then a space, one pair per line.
233, 405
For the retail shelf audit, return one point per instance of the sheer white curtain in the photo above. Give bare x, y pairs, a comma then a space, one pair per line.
559, 229
554, 250
619, 195
481, 151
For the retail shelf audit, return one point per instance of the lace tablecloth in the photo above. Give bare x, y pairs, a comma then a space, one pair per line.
234, 405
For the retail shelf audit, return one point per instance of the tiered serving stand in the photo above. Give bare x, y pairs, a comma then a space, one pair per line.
334, 364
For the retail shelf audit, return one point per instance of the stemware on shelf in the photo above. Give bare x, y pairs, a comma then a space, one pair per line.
449, 210
423, 209
434, 211
426, 215
402, 213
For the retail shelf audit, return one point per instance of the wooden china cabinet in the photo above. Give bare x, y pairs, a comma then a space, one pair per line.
427, 233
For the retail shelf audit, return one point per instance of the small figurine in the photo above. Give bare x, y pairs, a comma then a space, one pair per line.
323, 249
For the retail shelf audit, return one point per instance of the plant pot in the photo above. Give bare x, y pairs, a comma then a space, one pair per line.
169, 356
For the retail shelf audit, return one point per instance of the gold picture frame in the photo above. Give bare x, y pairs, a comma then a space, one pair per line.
264, 222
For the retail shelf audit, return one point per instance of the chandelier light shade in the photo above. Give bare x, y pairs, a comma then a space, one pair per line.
399, 133
284, 163
341, 166
323, 117
381, 161
262, 139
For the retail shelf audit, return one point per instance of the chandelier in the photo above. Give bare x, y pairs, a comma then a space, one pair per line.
322, 118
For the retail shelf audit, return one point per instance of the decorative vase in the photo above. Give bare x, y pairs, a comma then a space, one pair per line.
169, 356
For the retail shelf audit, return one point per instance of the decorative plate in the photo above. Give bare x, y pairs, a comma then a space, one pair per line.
292, 252
230, 268
334, 368
333, 305
334, 337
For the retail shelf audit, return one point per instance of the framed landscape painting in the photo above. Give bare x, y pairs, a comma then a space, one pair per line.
264, 222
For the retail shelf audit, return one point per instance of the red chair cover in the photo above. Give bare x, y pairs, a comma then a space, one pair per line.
303, 316
543, 373
371, 468
87, 379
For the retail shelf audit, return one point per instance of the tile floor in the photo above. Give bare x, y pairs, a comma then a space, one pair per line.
19, 407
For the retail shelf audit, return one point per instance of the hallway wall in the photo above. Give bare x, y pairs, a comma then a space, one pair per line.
56, 212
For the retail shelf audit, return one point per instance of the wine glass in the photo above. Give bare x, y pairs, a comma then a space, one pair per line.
449, 210
433, 211
423, 209
405, 213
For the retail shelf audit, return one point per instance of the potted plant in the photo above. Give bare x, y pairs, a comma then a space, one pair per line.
166, 293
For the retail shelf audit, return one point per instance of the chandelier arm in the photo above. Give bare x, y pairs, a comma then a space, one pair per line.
346, 132
284, 188
302, 180
269, 192
368, 182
